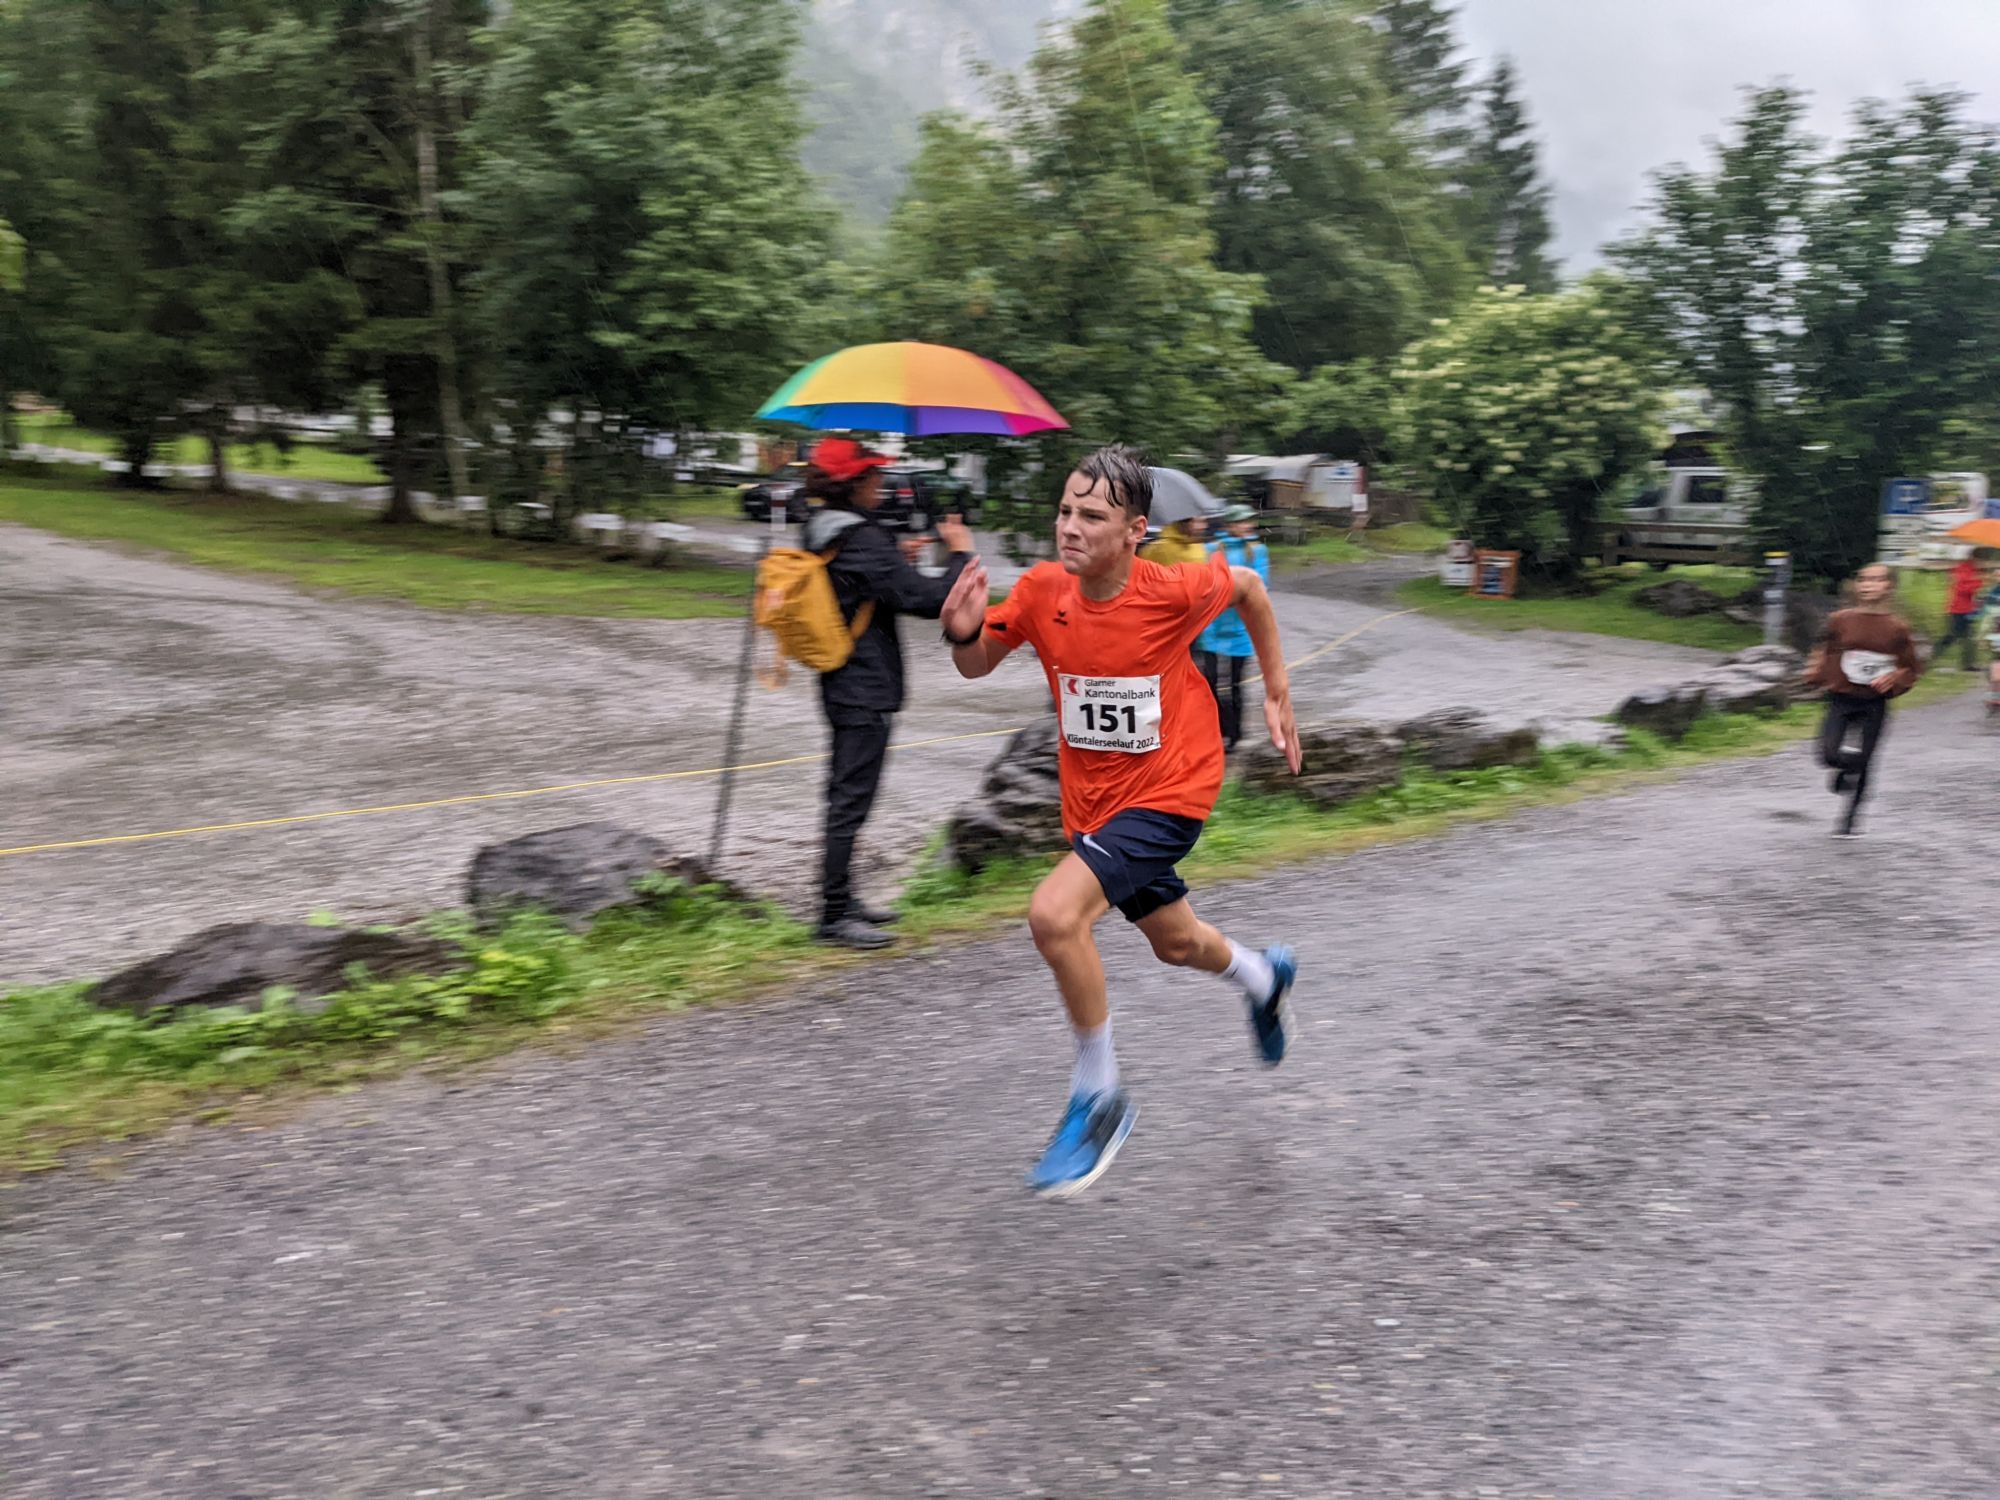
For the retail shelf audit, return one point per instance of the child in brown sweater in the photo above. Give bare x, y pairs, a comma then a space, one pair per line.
1865, 656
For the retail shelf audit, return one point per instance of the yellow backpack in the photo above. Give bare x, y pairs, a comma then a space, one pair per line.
796, 603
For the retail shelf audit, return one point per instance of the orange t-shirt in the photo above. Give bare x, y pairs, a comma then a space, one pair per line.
1139, 726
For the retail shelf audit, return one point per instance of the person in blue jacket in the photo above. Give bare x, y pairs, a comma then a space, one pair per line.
1224, 649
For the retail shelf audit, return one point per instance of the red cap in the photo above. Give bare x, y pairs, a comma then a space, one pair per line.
842, 459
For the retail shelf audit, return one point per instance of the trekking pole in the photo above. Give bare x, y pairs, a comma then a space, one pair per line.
733, 745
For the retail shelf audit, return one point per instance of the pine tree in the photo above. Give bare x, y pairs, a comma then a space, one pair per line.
1507, 202
1419, 46
1097, 280
1320, 192
648, 236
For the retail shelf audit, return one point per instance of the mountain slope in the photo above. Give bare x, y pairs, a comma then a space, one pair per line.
873, 68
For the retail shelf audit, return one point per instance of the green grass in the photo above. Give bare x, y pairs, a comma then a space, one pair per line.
318, 461
72, 1076
1332, 546
336, 548
1612, 612
1609, 612
302, 460
696, 502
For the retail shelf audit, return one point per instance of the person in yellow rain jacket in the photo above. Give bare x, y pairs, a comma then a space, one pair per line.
1179, 542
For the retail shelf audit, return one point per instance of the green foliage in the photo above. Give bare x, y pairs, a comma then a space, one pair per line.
1839, 304
1323, 192
1071, 238
64, 1062
13, 258
1346, 410
1421, 67
1524, 413
1506, 205
650, 246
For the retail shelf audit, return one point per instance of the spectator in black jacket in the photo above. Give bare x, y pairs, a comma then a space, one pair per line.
864, 696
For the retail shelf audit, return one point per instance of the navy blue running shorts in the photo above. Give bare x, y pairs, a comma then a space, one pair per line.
1133, 857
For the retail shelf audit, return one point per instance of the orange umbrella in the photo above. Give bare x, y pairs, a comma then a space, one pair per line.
1981, 533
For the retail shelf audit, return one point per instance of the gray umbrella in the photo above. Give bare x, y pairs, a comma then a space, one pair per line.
1179, 496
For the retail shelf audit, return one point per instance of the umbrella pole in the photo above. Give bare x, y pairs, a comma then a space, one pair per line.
733, 743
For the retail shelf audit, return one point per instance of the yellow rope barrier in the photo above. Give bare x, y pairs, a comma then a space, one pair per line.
470, 798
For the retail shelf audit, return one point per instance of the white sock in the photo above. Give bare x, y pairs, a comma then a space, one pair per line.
1096, 1064
1251, 973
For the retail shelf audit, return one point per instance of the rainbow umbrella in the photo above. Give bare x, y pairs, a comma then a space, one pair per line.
921, 390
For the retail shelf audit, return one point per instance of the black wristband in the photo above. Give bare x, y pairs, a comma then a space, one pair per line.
970, 640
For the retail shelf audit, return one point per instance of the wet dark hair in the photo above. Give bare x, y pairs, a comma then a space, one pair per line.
1124, 473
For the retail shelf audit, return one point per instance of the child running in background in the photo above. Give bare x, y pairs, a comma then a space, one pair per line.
1866, 655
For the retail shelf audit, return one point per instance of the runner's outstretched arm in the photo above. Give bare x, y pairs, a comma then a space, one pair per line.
1253, 603
973, 651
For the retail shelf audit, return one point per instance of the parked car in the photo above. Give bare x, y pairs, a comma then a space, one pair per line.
913, 500
784, 486
1689, 515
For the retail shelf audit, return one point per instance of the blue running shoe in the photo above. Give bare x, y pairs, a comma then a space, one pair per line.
1270, 1021
1090, 1134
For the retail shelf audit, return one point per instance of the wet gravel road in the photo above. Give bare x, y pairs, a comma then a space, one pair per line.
1639, 1148
138, 695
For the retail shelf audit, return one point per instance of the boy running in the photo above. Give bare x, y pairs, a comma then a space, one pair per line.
1865, 656
1141, 760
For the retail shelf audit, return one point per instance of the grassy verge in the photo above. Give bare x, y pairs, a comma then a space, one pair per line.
336, 548
301, 460
71, 1076
306, 460
1612, 612
1334, 547
1609, 612
697, 502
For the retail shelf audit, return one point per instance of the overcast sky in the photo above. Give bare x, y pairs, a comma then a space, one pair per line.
1621, 87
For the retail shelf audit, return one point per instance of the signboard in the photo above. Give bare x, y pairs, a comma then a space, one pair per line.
1916, 514
1906, 497
1455, 572
1333, 485
1494, 574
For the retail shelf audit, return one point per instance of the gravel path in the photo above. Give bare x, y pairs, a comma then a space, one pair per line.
140, 694
1639, 1149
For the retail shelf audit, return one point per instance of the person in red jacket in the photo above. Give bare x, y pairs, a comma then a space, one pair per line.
1961, 613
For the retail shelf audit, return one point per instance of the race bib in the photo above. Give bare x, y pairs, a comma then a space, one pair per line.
1863, 667
1120, 714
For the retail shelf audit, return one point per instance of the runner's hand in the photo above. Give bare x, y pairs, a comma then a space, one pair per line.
965, 606
914, 548
1284, 728
955, 534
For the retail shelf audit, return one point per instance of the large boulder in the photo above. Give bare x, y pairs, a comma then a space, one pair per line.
1679, 600
1666, 711
1462, 739
575, 873
1344, 759
1762, 679
1019, 806
1759, 680
236, 963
